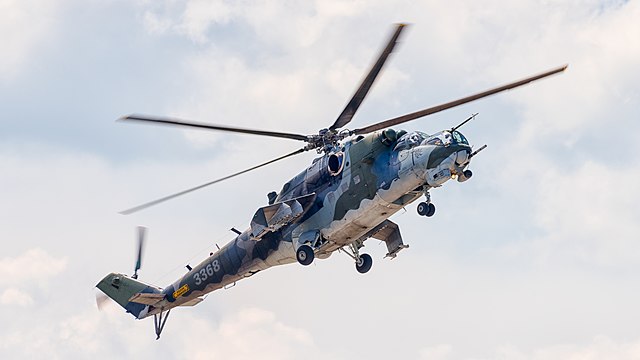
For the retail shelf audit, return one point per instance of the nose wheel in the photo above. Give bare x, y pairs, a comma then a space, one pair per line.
426, 209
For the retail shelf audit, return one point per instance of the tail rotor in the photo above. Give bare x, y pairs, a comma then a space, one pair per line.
141, 236
103, 300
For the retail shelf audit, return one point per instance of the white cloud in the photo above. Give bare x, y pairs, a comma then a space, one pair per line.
249, 334
155, 24
25, 25
599, 43
438, 352
591, 212
200, 15
601, 347
35, 265
13, 296
292, 67
334, 8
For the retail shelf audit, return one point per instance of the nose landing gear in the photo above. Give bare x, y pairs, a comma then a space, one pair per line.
426, 208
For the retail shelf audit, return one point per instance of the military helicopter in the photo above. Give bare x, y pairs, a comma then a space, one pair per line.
346, 196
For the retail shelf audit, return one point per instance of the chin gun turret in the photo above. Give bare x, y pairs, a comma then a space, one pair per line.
465, 175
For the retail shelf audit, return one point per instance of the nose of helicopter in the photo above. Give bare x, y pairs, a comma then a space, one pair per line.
462, 156
436, 164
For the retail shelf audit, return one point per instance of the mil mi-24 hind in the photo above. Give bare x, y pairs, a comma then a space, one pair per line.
343, 198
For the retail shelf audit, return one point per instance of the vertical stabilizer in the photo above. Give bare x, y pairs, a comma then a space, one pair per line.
123, 289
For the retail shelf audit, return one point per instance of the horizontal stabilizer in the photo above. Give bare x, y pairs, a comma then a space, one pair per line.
146, 298
193, 302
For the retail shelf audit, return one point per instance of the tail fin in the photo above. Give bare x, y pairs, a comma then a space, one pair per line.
133, 295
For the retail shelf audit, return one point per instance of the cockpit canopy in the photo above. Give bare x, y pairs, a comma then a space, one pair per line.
446, 138
458, 138
442, 138
409, 140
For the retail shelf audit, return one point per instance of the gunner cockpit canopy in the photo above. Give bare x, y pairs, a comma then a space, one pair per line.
446, 138
409, 140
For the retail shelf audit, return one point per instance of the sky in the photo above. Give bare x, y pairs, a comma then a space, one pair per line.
535, 258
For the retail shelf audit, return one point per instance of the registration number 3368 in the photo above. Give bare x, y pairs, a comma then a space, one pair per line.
206, 272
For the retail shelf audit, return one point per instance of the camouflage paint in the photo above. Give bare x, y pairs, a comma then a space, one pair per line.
376, 181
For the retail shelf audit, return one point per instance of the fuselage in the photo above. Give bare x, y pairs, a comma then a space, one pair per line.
357, 186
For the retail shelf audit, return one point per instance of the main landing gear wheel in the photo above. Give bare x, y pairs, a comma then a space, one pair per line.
304, 254
364, 263
426, 209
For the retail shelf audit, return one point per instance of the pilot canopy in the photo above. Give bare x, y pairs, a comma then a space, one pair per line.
442, 138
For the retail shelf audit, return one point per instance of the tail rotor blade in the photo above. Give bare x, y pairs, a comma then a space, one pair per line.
103, 301
141, 235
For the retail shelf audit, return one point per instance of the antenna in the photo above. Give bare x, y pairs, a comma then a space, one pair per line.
473, 116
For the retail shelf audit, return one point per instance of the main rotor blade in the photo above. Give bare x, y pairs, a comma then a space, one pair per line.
358, 97
448, 105
193, 124
161, 200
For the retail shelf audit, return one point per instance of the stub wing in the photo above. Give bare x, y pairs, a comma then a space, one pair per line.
389, 232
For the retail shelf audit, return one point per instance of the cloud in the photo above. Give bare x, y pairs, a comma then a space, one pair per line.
13, 296
590, 211
596, 39
26, 25
35, 265
199, 15
438, 352
248, 334
601, 347
556, 184
197, 19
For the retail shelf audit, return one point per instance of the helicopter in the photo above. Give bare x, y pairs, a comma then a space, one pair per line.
345, 197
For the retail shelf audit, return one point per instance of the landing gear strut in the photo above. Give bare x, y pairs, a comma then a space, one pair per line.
363, 261
159, 320
426, 208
